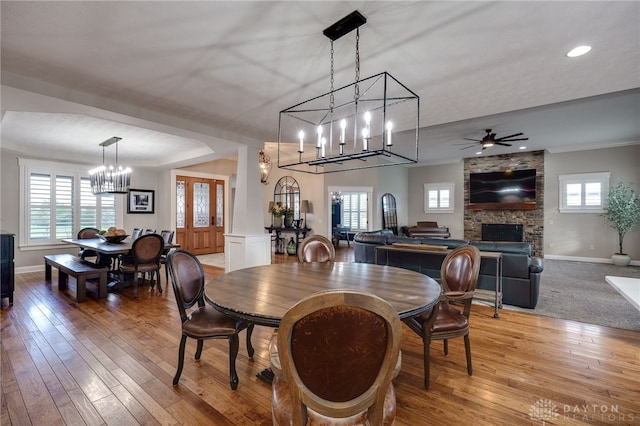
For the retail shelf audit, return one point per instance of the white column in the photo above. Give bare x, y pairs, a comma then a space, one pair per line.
248, 244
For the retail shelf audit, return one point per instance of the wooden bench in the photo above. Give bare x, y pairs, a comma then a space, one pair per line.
69, 264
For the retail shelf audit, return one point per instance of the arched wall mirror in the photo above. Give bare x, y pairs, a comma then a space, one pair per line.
389, 214
287, 193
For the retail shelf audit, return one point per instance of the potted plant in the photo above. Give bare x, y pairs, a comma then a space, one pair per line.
288, 217
278, 211
623, 214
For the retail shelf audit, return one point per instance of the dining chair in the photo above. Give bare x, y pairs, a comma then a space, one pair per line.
167, 236
204, 322
337, 351
149, 231
145, 257
85, 234
459, 276
316, 248
136, 233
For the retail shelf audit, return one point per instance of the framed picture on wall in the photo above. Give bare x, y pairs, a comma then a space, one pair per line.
140, 201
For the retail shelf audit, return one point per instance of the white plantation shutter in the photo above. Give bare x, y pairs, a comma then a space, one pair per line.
354, 210
57, 203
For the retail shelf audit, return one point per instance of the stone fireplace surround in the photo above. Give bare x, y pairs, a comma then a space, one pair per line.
531, 220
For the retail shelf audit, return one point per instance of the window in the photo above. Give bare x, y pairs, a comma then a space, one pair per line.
354, 210
438, 197
57, 202
583, 193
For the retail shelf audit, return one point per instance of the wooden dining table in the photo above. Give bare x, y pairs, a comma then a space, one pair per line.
107, 251
263, 294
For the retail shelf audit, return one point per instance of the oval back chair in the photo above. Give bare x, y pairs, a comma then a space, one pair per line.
316, 248
337, 350
204, 321
459, 276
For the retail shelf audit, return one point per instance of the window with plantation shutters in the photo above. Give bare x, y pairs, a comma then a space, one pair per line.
57, 202
438, 197
583, 193
354, 210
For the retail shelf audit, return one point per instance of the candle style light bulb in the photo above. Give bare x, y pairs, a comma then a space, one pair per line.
343, 126
389, 128
323, 142
319, 143
365, 139
301, 137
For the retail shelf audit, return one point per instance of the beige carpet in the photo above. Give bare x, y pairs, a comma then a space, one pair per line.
216, 259
578, 291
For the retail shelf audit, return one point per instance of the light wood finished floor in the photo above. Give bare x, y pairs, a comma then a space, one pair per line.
112, 362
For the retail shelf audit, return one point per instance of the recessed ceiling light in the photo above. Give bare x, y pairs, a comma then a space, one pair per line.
479, 152
523, 147
578, 51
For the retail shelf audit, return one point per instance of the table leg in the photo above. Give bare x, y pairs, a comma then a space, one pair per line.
498, 299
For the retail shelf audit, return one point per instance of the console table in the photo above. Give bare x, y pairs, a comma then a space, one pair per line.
495, 296
280, 240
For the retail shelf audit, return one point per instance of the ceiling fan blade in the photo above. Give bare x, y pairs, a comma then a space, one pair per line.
467, 147
475, 140
517, 139
508, 137
502, 143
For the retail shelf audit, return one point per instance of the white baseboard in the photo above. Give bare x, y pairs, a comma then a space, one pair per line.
32, 268
586, 259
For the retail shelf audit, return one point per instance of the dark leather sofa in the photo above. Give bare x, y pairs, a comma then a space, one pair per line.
520, 271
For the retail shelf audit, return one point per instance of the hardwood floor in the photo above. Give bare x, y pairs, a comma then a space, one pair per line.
112, 362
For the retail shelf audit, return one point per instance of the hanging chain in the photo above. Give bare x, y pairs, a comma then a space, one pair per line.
356, 95
331, 97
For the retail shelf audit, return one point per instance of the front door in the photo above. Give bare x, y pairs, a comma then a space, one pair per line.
200, 214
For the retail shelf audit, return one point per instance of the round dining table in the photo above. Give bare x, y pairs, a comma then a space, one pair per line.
263, 294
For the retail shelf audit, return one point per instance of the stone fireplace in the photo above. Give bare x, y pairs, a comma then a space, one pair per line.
512, 232
530, 221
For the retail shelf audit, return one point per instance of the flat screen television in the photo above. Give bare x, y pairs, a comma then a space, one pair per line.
514, 189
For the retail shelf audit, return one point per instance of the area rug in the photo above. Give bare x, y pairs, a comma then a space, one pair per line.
216, 259
578, 291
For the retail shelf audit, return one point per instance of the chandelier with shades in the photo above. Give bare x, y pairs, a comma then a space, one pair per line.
372, 122
110, 179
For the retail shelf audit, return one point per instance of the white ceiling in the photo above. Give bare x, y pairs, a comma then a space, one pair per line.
184, 82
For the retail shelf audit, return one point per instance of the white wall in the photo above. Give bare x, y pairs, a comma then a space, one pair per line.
587, 235
418, 176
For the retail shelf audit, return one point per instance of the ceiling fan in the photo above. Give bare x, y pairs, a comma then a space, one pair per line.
490, 140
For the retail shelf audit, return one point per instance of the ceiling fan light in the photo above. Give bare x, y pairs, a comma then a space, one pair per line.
487, 144
578, 51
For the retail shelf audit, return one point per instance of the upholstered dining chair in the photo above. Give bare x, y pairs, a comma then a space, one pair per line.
167, 236
149, 231
337, 350
204, 322
85, 234
316, 248
459, 276
145, 257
